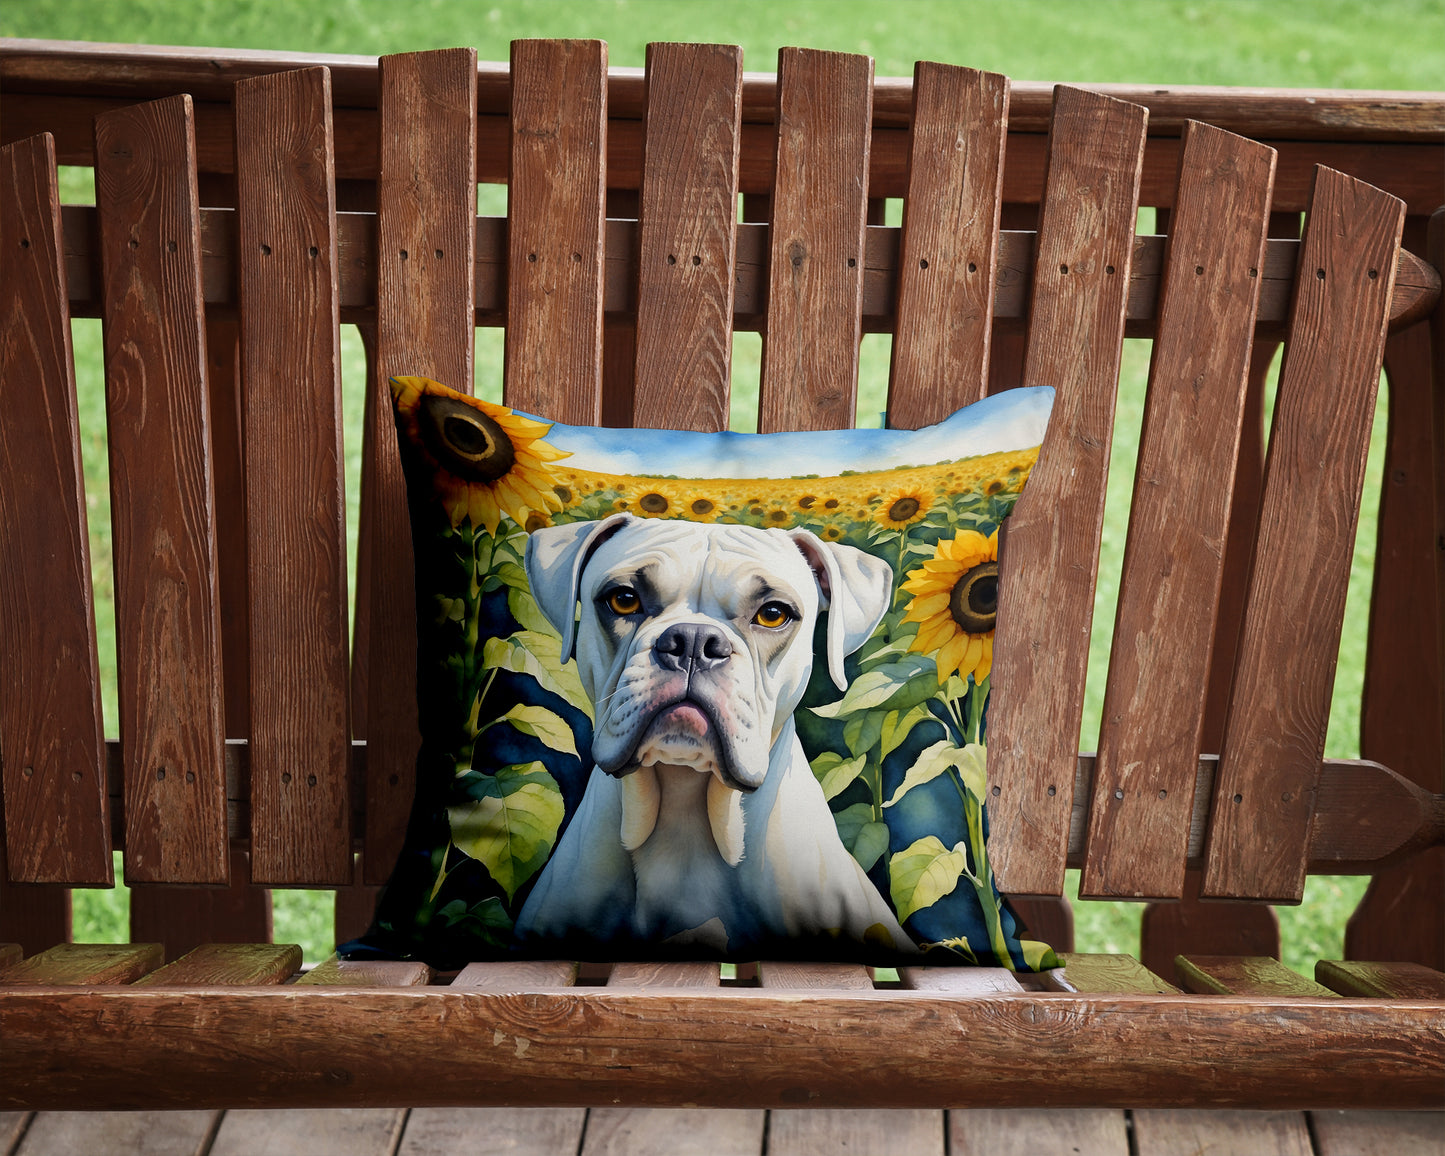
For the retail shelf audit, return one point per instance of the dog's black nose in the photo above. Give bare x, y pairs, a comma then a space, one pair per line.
692, 646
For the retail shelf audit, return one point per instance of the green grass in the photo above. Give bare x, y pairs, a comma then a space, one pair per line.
1308, 43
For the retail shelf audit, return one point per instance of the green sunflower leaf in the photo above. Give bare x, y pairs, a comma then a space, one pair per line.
923, 873
896, 725
541, 723
512, 828
943, 756
540, 656
893, 686
835, 773
870, 844
851, 820
524, 609
862, 730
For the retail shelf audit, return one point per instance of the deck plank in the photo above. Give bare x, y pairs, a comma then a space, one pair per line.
472, 1131
314, 1131
1031, 1131
674, 1132
1172, 1131
858, 1132
1344, 1133
117, 1133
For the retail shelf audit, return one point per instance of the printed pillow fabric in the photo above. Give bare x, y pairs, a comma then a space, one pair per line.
703, 695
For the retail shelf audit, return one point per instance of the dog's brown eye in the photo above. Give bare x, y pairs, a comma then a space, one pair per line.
773, 615
624, 600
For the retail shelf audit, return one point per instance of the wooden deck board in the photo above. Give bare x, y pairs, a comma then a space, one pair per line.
313, 1131
1026, 1132
1173, 1131
118, 1133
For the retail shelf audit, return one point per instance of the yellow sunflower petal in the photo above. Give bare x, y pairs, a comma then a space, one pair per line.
985, 663
951, 655
972, 654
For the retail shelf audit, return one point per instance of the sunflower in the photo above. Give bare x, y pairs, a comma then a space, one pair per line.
955, 599
904, 507
653, 499
490, 461
699, 507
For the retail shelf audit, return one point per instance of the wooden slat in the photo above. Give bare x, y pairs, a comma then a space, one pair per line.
56, 818
1243, 975
336, 972
959, 980
516, 1131
34, 915
1275, 733
85, 963
1153, 714
12, 1126
1170, 1132
791, 976
119, 1133
517, 974
1402, 913
183, 918
687, 236
318, 1132
555, 206
300, 820
1192, 925
168, 632
426, 217
1033, 1131
1051, 549
228, 963
664, 975
1097, 972
674, 1132
1342, 1133
1384, 980
916, 1131
947, 267
816, 259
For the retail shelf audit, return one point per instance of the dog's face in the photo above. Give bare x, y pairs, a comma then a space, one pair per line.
695, 641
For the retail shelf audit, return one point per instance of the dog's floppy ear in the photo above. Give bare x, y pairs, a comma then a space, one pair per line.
556, 556
856, 589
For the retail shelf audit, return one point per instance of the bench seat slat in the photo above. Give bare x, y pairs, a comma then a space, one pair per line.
1095, 972
959, 980
334, 972
300, 742
228, 963
83, 964
1153, 714
1243, 975
517, 975
556, 206
787, 975
1384, 980
816, 260
1275, 733
56, 818
168, 633
947, 264
687, 237
1050, 548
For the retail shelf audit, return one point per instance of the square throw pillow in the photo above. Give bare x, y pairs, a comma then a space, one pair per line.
703, 695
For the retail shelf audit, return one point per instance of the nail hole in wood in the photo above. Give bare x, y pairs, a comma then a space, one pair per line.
995, 792
28, 772
76, 775
1063, 268
696, 260
577, 257
532, 257
1374, 273
25, 242
313, 251
404, 254
437, 253
1239, 798
265, 250
1118, 793
1319, 274
1199, 270
286, 776
160, 774
1163, 794
1254, 272
672, 259
923, 263
133, 243
972, 268
170, 246
1053, 791
852, 262
1109, 269
190, 776
310, 780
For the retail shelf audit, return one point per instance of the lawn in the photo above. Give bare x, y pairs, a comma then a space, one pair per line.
1386, 44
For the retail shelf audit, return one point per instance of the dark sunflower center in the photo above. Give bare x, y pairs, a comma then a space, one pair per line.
903, 509
653, 503
702, 506
465, 440
974, 599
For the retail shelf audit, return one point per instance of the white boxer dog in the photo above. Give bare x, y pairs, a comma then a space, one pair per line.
702, 824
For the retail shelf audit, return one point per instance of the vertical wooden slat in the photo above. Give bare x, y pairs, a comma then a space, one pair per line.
57, 826
286, 218
815, 263
168, 632
946, 269
426, 220
1275, 734
1153, 714
183, 918
1050, 555
34, 915
687, 236
555, 207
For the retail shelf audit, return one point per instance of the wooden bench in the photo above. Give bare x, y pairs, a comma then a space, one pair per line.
246, 206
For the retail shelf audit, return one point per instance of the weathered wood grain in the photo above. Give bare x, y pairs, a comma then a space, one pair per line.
119, 1133
1153, 714
947, 266
168, 631
1097, 972
959, 980
516, 1131
1191, 925
728, 1048
300, 822
334, 972
71, 964
674, 1132
56, 817
1169, 1132
183, 917
10, 953
664, 975
792, 976
426, 221
1275, 732
13, 1125
1243, 975
1031, 1131
1384, 980
326, 1132
1339, 1133
916, 1131
555, 206
1400, 914
816, 259
687, 236
517, 975
228, 963
1049, 557
34, 915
